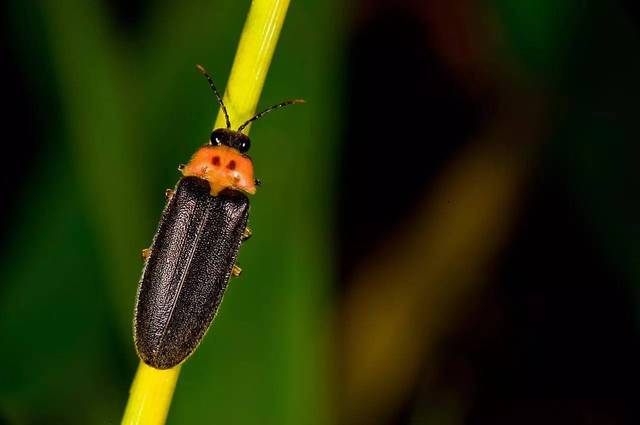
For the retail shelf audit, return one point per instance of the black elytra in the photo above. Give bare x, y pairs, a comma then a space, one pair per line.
187, 272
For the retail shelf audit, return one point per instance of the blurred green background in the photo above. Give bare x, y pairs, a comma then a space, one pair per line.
446, 233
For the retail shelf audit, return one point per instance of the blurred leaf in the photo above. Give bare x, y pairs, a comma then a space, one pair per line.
540, 33
54, 321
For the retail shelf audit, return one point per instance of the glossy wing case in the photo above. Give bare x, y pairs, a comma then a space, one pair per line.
187, 271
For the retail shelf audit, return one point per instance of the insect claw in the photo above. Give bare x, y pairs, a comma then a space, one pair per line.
169, 194
236, 271
181, 167
146, 253
246, 234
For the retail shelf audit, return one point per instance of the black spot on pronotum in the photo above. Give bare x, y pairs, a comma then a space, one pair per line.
231, 165
215, 160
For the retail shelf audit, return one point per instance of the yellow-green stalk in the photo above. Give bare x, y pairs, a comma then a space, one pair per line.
152, 389
253, 57
150, 395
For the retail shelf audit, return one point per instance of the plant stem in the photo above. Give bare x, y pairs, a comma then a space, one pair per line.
152, 389
253, 57
150, 395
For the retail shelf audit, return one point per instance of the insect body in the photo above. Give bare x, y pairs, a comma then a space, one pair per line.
194, 250
222, 166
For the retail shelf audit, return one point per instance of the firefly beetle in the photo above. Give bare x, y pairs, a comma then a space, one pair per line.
193, 253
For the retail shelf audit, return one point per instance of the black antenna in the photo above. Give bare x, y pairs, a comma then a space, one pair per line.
215, 91
269, 109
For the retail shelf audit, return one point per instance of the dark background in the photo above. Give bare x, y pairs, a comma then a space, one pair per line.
447, 233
